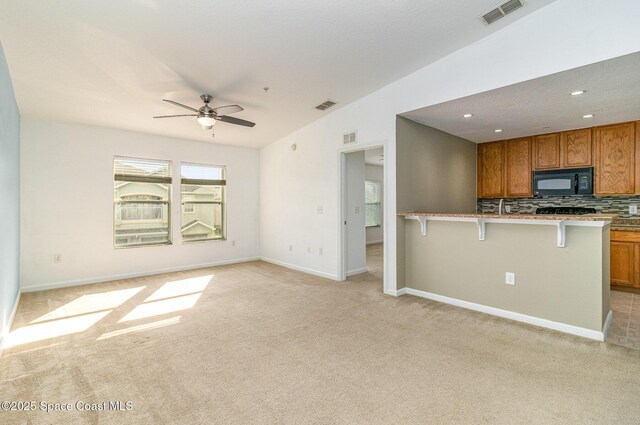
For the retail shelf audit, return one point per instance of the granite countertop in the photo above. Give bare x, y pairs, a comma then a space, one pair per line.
626, 224
585, 217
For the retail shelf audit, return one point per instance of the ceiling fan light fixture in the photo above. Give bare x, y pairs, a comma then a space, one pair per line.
206, 121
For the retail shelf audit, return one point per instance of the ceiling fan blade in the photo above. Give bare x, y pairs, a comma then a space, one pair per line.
181, 105
238, 121
228, 109
171, 116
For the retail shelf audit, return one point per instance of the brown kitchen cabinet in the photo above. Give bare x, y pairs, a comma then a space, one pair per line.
625, 258
491, 168
518, 168
576, 147
546, 151
615, 159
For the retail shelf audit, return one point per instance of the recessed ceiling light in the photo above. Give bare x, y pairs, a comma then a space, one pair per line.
498, 130
588, 116
578, 92
467, 115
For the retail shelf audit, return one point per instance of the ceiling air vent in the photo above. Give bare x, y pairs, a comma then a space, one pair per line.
325, 105
349, 138
502, 10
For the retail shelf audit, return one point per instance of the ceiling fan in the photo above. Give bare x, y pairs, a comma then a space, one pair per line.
207, 116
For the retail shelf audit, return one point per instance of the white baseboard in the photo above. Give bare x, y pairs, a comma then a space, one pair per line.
607, 323
519, 317
357, 271
374, 242
395, 293
7, 328
301, 269
77, 282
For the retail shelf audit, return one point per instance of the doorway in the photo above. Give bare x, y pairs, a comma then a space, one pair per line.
374, 208
362, 214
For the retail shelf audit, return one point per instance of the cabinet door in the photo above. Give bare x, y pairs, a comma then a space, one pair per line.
518, 162
623, 263
637, 167
546, 151
491, 170
576, 148
615, 159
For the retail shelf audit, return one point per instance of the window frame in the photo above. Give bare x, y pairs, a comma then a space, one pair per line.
379, 203
222, 203
168, 203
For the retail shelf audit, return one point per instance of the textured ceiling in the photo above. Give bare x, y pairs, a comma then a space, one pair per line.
544, 105
110, 63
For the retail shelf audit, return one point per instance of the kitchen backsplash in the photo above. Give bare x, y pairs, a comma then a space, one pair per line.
605, 204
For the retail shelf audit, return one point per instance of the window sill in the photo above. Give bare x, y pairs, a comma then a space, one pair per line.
143, 245
188, 242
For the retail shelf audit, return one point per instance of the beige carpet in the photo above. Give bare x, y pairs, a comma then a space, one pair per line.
259, 344
375, 260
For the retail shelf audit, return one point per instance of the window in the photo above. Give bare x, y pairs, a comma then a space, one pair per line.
371, 204
202, 192
141, 198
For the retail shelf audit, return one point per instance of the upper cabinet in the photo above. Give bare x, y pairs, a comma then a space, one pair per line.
615, 154
569, 149
546, 151
518, 163
576, 148
504, 167
491, 162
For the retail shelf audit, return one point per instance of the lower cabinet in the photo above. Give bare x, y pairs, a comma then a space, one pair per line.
625, 258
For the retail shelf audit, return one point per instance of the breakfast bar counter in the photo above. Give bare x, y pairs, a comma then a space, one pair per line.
560, 221
546, 270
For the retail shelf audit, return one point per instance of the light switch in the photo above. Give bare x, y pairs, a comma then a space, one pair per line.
510, 278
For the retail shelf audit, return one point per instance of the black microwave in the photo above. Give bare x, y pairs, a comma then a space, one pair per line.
565, 182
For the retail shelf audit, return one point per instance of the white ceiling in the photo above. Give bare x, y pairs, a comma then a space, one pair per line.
374, 156
110, 63
544, 105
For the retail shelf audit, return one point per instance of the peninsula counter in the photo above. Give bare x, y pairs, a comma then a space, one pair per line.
560, 264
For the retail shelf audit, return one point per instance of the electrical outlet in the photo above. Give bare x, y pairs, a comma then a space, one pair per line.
290, 248
320, 210
57, 258
507, 208
233, 243
633, 209
320, 251
510, 278
308, 250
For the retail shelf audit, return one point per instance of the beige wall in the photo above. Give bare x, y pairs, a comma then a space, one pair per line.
606, 274
376, 173
568, 285
435, 172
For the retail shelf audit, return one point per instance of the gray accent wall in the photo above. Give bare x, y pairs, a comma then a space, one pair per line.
567, 285
9, 198
435, 172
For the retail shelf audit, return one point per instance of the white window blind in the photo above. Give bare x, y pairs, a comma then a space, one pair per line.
202, 195
142, 200
372, 200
